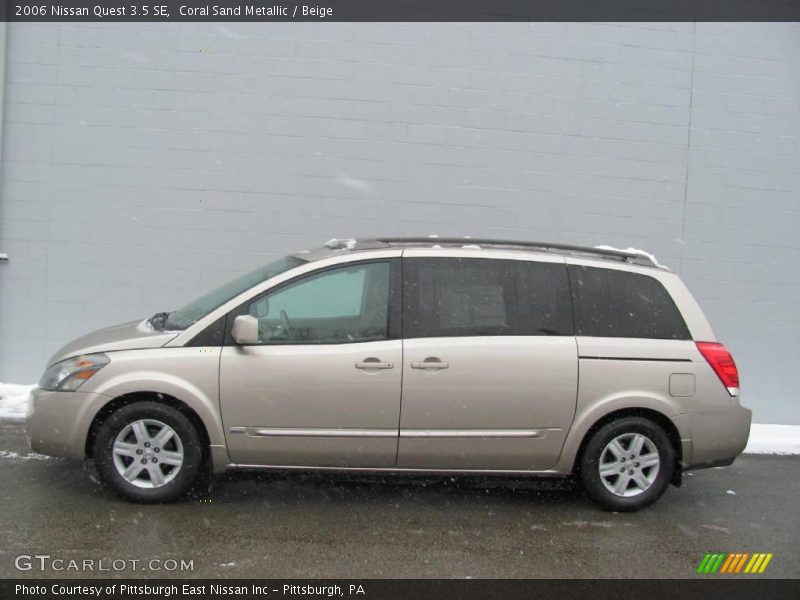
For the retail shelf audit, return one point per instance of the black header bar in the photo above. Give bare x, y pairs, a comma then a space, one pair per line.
393, 589
399, 10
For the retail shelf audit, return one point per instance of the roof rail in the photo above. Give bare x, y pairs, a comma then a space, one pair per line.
631, 257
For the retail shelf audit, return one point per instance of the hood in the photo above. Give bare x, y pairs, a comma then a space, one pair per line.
134, 335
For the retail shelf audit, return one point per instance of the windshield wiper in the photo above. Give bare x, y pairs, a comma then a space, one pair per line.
158, 320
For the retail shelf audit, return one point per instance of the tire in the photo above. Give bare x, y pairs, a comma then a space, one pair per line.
626, 484
158, 439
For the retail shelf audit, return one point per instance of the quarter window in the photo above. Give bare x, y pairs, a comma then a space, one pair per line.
472, 296
613, 303
346, 304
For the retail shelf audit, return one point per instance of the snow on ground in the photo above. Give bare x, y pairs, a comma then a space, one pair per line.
773, 439
764, 439
14, 400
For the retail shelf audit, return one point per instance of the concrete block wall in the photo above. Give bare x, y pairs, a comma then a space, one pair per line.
145, 163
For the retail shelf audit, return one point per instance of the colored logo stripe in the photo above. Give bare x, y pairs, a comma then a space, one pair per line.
711, 562
758, 563
734, 562
727, 564
718, 563
701, 568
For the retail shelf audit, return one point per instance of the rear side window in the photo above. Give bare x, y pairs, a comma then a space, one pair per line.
612, 303
445, 297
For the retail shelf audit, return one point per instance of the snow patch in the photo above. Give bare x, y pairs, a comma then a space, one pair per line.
717, 528
8, 454
14, 401
773, 439
588, 524
340, 243
633, 251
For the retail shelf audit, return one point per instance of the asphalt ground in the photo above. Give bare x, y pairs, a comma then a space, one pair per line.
307, 525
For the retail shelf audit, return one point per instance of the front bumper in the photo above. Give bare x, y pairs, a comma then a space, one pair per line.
717, 438
58, 422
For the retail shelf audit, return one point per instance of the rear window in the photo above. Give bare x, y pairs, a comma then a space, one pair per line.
612, 303
445, 297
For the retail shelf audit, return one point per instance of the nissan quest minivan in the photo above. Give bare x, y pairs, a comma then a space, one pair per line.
408, 355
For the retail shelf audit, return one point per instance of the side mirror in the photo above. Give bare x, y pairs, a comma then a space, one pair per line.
245, 329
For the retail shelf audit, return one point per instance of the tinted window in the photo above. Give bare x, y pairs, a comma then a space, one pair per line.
613, 303
473, 296
346, 304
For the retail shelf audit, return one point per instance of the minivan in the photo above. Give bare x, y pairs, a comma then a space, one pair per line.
436, 356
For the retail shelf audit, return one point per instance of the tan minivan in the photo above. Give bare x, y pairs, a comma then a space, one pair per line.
408, 355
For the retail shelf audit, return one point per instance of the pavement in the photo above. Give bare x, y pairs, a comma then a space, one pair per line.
306, 525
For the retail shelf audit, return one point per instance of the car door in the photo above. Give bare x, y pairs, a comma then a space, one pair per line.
490, 369
322, 386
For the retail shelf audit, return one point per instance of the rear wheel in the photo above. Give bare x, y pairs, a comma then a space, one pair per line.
627, 464
148, 452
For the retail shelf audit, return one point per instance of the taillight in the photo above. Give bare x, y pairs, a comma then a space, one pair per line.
721, 361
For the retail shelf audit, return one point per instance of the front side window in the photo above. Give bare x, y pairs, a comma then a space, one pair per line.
445, 297
341, 305
613, 303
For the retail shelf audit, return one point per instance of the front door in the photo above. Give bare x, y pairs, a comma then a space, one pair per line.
322, 386
490, 370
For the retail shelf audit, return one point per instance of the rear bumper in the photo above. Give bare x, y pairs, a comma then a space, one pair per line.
715, 438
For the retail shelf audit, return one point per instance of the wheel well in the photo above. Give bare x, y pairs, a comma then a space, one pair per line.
647, 413
126, 399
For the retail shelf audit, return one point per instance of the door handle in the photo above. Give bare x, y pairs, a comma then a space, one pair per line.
432, 363
373, 363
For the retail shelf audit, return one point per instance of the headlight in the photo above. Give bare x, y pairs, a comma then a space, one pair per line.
68, 375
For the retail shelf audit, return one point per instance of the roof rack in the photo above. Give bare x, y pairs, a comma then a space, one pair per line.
630, 257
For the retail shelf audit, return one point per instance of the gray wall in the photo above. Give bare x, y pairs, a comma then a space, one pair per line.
144, 163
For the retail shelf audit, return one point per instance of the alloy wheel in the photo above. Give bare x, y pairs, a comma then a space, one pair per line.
148, 453
629, 465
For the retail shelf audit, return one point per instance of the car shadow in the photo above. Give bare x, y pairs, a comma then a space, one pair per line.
68, 479
312, 487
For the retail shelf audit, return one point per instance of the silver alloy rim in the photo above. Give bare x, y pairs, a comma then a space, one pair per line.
629, 465
148, 453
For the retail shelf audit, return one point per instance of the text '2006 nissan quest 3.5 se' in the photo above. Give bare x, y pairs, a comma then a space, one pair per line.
408, 355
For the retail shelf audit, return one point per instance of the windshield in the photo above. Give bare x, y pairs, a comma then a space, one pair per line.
197, 309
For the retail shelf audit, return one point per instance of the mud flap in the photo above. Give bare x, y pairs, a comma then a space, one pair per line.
677, 475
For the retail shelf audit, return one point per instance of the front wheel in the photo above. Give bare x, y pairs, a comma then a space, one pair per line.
148, 452
627, 464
